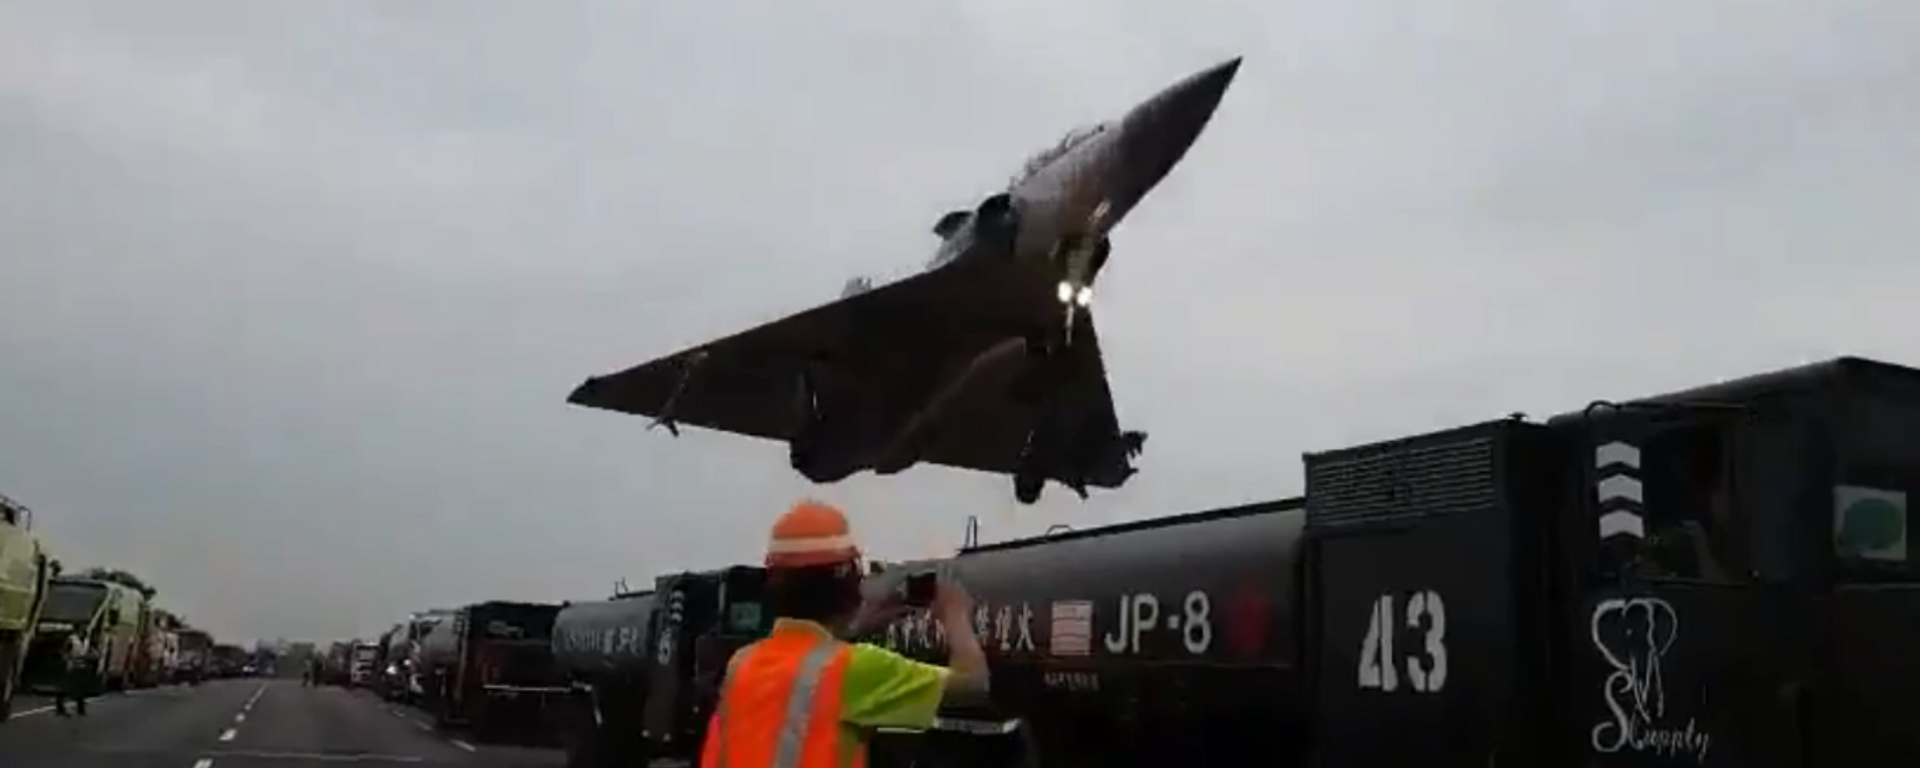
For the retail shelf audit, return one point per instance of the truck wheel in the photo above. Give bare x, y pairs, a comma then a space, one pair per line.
480, 723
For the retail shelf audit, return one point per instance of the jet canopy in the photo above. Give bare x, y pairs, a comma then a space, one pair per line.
1045, 157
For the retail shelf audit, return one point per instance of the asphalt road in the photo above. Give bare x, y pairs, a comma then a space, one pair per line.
242, 724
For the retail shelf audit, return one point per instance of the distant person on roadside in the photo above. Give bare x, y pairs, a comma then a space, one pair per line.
79, 678
804, 680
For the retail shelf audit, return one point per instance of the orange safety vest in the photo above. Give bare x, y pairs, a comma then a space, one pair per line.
780, 706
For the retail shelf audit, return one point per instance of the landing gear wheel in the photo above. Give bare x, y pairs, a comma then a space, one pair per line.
1027, 486
802, 454
803, 444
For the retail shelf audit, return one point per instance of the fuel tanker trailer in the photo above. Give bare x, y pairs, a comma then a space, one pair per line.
1153, 642
439, 653
602, 650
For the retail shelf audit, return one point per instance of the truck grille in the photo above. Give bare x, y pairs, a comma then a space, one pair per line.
1445, 474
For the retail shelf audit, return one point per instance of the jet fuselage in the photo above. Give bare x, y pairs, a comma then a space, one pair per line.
1082, 188
1069, 196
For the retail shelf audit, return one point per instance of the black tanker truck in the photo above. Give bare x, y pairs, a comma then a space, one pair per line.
655, 659
1148, 642
489, 668
1715, 577
602, 650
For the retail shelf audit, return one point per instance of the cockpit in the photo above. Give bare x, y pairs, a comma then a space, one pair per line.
1058, 149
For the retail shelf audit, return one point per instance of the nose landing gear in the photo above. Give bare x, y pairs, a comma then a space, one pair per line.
1079, 260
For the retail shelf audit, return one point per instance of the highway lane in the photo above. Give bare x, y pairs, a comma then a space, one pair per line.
24, 704
243, 724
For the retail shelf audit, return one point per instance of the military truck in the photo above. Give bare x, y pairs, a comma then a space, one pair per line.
194, 657
403, 654
107, 616
1720, 576
336, 668
601, 648
228, 660
145, 663
25, 570
162, 657
652, 657
498, 674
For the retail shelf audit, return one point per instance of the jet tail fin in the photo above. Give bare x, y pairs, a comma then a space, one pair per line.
856, 286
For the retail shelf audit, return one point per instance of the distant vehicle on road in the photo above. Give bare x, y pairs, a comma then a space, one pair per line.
195, 656
366, 661
227, 660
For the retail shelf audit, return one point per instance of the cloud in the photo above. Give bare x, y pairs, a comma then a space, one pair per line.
293, 291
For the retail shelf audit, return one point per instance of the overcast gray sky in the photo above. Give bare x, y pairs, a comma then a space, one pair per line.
292, 292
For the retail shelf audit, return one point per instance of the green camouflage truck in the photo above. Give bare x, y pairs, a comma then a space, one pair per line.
108, 617
24, 572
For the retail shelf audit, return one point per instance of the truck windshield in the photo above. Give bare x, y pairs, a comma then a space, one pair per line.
1691, 522
1880, 469
420, 627
72, 602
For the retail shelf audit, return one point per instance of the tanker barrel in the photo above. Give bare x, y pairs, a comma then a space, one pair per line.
1095, 621
607, 637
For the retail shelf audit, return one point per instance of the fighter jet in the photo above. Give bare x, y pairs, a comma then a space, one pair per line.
988, 359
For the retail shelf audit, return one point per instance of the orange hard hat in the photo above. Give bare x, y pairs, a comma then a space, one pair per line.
812, 533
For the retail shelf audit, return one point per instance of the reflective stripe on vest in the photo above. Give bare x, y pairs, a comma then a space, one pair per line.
792, 739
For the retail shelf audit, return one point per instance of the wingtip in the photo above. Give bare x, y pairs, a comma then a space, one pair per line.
583, 394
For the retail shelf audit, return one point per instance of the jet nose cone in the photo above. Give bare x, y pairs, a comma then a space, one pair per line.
1199, 95
1159, 131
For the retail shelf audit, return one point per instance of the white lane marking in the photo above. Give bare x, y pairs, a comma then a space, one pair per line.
317, 757
463, 745
255, 699
422, 726
34, 711
240, 717
228, 734
205, 762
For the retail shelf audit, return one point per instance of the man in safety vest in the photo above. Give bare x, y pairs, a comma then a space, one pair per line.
802, 698
78, 679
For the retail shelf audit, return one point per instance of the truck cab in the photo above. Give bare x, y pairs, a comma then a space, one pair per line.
700, 620
1715, 577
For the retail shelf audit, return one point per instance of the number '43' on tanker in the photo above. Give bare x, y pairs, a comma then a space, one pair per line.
986, 360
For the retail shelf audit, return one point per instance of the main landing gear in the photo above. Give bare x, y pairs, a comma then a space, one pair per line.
1027, 486
1109, 463
803, 443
